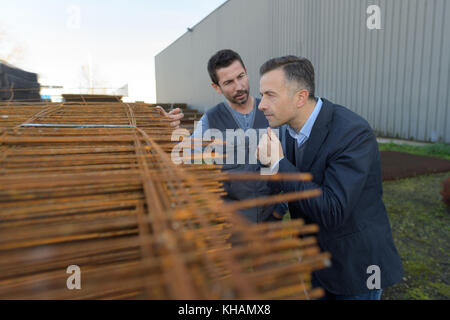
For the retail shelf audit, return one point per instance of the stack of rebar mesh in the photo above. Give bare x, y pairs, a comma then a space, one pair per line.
93, 185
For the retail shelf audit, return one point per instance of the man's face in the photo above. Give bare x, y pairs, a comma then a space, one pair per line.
277, 103
233, 83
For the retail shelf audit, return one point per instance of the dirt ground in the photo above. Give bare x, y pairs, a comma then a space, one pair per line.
399, 165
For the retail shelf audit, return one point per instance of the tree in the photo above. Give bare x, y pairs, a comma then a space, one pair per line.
91, 80
10, 51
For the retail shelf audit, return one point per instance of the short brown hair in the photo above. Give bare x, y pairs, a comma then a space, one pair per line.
222, 59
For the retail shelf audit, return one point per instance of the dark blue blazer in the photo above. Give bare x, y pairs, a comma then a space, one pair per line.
342, 155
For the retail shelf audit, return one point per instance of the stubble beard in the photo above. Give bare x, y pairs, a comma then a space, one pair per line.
240, 102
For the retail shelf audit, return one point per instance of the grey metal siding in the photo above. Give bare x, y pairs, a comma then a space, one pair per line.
397, 78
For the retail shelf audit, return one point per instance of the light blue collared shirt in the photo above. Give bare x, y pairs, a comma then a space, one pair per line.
305, 131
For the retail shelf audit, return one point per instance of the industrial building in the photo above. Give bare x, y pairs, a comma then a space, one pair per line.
396, 76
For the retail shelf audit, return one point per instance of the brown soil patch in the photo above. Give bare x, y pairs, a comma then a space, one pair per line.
398, 165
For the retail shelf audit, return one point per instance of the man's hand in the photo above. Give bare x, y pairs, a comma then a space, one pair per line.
269, 149
175, 116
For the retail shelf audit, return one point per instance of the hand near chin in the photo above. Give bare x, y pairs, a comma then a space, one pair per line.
269, 150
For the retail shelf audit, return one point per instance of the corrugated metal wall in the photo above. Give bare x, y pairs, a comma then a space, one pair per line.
398, 78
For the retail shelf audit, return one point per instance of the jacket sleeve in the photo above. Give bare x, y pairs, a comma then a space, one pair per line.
281, 208
344, 178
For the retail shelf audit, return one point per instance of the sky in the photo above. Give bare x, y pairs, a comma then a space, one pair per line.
118, 39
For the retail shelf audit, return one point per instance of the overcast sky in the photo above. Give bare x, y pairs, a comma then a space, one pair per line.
121, 38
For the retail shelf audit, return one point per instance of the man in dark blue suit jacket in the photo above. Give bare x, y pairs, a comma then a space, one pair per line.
340, 150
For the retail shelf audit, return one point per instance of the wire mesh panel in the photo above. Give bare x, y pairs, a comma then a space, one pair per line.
93, 185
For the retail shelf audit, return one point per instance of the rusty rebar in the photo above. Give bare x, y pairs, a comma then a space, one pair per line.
110, 200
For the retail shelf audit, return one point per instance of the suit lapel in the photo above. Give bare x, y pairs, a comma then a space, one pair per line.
318, 134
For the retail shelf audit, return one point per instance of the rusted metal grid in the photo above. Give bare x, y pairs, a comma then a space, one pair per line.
111, 201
